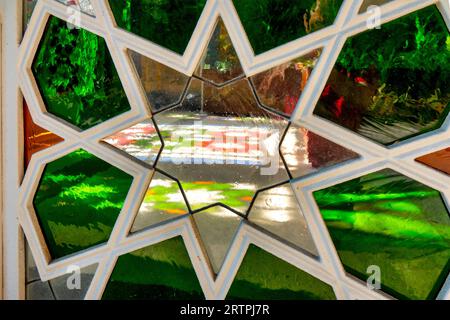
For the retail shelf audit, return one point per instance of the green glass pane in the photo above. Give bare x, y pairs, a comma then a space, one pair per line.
158, 272
78, 201
77, 77
263, 276
169, 23
271, 23
163, 202
220, 62
391, 221
392, 83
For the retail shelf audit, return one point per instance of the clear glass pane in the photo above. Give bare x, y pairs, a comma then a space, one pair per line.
391, 221
84, 6
217, 227
276, 210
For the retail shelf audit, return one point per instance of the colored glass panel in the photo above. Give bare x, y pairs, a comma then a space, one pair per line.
276, 210
221, 145
220, 62
271, 23
169, 23
280, 88
392, 83
36, 138
439, 160
159, 272
78, 201
263, 276
306, 152
77, 77
163, 202
140, 141
391, 221
217, 227
164, 86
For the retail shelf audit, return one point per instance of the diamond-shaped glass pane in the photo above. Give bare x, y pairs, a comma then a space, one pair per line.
77, 77
439, 160
163, 201
263, 276
169, 23
392, 83
388, 220
270, 23
217, 227
276, 210
159, 272
280, 88
164, 86
306, 152
220, 62
78, 201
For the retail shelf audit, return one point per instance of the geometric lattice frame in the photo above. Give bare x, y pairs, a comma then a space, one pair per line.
374, 157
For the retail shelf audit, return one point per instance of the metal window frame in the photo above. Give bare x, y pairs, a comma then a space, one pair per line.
17, 200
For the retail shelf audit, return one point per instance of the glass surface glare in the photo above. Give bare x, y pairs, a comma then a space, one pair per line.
439, 160
159, 272
78, 201
169, 23
280, 88
277, 211
391, 221
84, 6
271, 23
263, 276
77, 77
392, 83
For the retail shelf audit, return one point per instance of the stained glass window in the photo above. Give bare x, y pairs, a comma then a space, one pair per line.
210, 183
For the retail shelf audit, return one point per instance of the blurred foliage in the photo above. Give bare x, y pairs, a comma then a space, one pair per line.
77, 77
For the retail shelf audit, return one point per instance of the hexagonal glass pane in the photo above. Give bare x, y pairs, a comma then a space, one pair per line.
271, 23
159, 272
78, 201
169, 23
280, 88
392, 83
77, 77
439, 160
263, 276
388, 220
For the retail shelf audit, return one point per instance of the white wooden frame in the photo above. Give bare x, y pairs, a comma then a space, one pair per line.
18, 200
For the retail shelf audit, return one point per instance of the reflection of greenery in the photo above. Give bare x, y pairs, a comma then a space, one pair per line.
78, 201
263, 276
77, 77
159, 272
270, 23
169, 23
388, 220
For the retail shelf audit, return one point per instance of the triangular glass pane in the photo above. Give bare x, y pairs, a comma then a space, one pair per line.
368, 3
162, 202
280, 88
439, 160
220, 62
217, 227
306, 152
163, 86
277, 211
36, 138
140, 141
84, 6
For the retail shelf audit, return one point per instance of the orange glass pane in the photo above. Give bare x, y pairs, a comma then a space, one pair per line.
36, 138
439, 160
